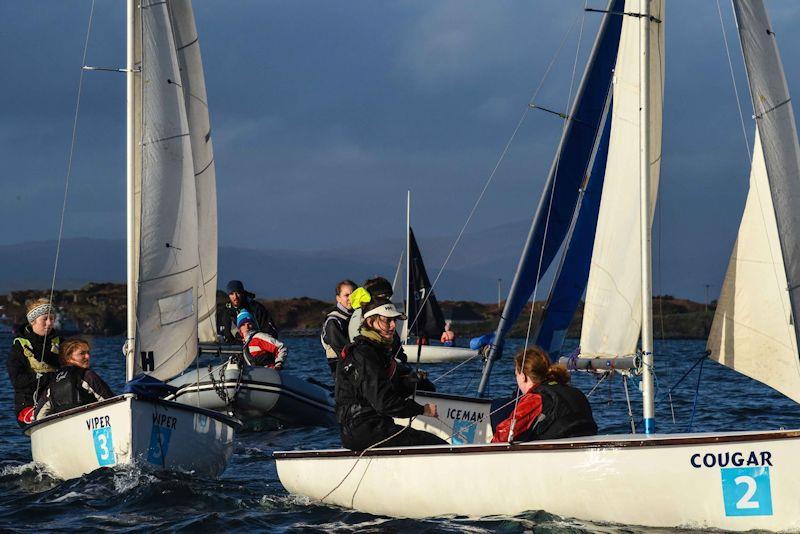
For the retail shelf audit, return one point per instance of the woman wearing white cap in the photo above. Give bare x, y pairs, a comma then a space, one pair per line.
369, 392
34, 352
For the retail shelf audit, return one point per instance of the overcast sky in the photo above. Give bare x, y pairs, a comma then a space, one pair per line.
324, 113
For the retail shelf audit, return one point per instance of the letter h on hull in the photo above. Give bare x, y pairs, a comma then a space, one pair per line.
148, 362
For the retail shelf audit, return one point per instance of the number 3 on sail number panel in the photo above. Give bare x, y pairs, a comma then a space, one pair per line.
746, 491
104, 446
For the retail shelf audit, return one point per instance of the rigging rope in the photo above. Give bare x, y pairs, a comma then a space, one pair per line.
360, 456
733, 80
67, 177
492, 174
547, 224
628, 399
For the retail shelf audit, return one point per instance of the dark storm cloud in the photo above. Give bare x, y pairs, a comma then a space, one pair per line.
328, 111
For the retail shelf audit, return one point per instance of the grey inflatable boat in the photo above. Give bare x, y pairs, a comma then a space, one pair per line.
257, 396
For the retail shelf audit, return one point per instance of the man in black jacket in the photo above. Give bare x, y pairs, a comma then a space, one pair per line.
240, 299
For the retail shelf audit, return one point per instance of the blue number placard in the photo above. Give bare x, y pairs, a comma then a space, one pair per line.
104, 446
746, 491
159, 444
463, 432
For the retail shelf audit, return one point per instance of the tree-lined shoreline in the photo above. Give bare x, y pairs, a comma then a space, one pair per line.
100, 309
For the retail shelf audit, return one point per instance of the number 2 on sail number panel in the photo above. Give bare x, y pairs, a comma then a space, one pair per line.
746, 491
104, 446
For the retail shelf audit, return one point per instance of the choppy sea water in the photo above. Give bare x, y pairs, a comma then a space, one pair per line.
249, 495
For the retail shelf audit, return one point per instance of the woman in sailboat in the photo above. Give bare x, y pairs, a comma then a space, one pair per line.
549, 407
369, 391
34, 354
374, 288
74, 383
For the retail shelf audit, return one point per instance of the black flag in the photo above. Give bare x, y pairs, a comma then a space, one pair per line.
430, 322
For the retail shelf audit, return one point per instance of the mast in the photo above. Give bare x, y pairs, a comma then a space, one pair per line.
130, 150
648, 405
408, 266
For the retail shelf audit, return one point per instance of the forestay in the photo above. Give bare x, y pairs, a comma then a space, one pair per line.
190, 62
165, 218
557, 204
613, 310
753, 330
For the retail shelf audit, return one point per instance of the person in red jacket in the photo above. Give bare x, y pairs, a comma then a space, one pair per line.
260, 348
549, 407
448, 336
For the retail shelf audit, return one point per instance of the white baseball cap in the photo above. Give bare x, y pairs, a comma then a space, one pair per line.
385, 310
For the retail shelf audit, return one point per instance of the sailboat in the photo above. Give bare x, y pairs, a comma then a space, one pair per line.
425, 317
165, 281
567, 210
726, 480
249, 393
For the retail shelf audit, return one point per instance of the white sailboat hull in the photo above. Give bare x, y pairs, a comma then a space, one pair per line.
438, 353
735, 481
127, 429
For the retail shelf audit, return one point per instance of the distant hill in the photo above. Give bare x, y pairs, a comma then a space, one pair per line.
479, 260
278, 274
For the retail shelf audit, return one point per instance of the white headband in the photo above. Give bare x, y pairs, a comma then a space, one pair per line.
38, 311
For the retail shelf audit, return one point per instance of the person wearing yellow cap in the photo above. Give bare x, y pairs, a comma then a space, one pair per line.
369, 391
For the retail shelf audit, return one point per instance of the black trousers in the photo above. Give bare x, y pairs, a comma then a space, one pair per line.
366, 434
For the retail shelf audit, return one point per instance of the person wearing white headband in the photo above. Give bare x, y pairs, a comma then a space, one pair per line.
34, 354
369, 392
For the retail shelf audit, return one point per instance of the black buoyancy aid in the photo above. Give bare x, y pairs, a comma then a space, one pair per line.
67, 391
342, 319
566, 413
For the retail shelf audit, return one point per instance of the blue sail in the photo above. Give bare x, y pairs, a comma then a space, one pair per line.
559, 199
573, 273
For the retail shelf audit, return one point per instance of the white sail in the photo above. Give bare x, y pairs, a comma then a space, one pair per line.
752, 330
194, 91
167, 273
613, 313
